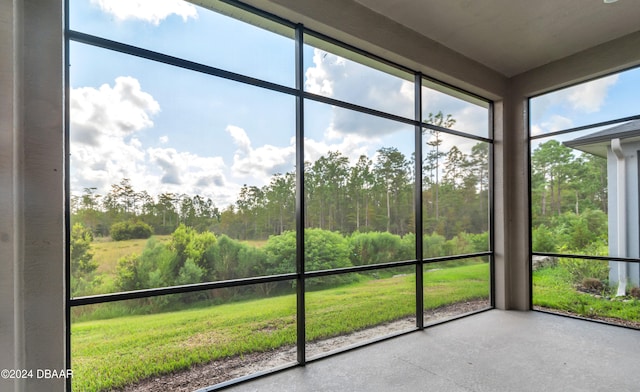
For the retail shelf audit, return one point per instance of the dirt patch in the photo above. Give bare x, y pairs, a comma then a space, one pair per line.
200, 376
446, 312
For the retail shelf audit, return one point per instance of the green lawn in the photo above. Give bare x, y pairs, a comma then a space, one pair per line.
119, 351
552, 288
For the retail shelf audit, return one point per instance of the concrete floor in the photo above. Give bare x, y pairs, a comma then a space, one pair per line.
491, 351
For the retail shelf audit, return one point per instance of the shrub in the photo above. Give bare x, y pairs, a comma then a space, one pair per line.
579, 233
147, 270
460, 244
635, 292
323, 250
592, 285
81, 256
479, 242
130, 230
129, 275
231, 259
187, 243
375, 248
83, 266
189, 273
581, 269
543, 240
433, 245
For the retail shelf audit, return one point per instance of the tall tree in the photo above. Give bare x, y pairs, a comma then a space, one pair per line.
391, 173
280, 199
551, 162
326, 181
432, 162
360, 183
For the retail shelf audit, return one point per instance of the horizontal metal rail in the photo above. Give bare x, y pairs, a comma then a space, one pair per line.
455, 132
584, 127
196, 287
586, 257
175, 61
187, 288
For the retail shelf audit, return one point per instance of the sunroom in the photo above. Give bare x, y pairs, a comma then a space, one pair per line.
198, 194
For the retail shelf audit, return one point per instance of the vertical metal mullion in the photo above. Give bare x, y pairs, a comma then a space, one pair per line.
418, 202
300, 271
529, 212
491, 195
67, 196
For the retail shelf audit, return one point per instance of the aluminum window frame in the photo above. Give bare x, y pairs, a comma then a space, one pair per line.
549, 135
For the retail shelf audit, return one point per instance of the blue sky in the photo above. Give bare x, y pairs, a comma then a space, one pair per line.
606, 98
172, 130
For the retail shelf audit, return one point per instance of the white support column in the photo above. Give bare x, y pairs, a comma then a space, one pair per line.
32, 331
621, 214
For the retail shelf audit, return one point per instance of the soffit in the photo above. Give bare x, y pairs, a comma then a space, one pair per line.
514, 36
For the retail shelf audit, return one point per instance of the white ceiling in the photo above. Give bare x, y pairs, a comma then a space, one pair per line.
514, 36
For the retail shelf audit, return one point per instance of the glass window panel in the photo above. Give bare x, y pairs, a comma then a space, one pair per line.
343, 310
586, 288
570, 195
252, 45
455, 194
453, 288
335, 72
574, 204
159, 148
603, 99
449, 108
358, 188
224, 334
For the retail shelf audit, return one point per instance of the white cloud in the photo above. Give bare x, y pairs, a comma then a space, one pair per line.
240, 138
350, 146
261, 162
184, 172
555, 123
335, 77
468, 117
152, 11
103, 122
318, 78
105, 147
346, 80
118, 111
574, 101
589, 97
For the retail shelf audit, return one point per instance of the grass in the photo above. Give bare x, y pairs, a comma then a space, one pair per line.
119, 351
107, 253
457, 283
116, 352
552, 288
255, 243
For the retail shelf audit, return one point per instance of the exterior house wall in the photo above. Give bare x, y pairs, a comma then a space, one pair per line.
631, 151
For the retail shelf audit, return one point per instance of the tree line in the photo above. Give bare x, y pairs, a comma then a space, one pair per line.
568, 200
370, 195
563, 180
